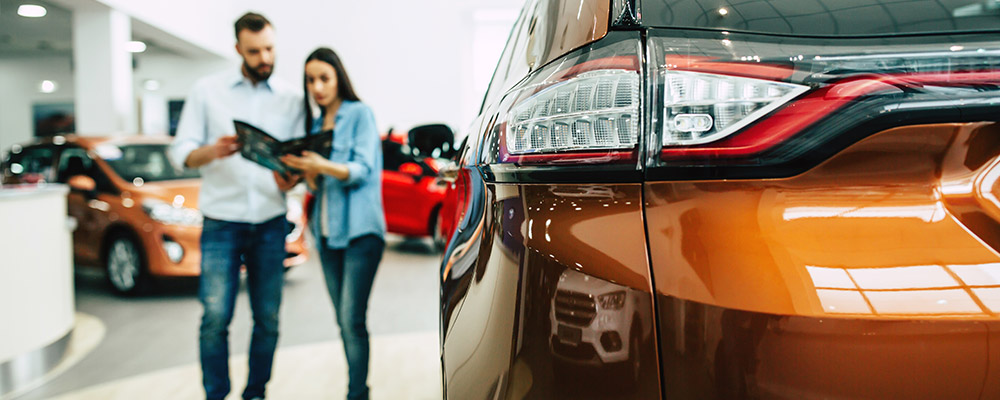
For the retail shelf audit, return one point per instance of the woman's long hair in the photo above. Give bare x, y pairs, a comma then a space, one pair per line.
344, 88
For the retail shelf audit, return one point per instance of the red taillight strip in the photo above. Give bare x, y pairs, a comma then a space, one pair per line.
775, 72
801, 113
571, 157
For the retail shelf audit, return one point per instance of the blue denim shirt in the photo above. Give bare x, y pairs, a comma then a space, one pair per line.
354, 205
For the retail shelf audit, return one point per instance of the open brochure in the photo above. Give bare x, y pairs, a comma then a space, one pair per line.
262, 148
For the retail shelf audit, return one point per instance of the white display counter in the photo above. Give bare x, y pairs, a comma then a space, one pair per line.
36, 282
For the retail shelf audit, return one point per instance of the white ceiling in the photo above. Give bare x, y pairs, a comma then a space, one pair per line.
53, 34
25, 37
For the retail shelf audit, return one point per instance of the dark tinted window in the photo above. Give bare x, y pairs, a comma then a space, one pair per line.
33, 164
825, 17
75, 161
393, 155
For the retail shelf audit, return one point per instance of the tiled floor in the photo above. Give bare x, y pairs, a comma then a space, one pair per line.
148, 349
403, 366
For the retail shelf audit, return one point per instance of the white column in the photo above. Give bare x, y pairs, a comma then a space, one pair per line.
105, 101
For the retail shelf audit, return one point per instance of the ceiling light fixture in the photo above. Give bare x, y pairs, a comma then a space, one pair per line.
723, 12
151, 85
31, 11
47, 86
135, 46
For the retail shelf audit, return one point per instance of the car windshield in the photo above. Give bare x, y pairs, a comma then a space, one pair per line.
144, 161
825, 17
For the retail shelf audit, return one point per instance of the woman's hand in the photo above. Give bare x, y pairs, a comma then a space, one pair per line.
310, 178
309, 162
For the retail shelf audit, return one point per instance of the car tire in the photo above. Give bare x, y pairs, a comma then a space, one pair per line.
435, 229
125, 266
634, 364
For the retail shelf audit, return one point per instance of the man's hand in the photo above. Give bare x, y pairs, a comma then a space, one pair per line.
226, 146
286, 184
222, 148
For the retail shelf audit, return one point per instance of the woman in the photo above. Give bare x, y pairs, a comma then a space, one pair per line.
348, 221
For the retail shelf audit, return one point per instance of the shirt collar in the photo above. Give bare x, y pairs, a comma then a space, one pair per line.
237, 79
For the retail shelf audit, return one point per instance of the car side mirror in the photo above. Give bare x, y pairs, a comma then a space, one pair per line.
82, 183
435, 140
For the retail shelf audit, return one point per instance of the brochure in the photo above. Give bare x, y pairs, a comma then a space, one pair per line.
260, 147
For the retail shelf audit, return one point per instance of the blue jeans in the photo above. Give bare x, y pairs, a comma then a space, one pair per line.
349, 276
225, 246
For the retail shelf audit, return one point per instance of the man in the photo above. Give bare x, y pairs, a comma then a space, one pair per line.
243, 203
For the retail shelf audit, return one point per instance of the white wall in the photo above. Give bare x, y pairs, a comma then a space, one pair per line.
20, 77
176, 74
207, 24
19, 80
412, 61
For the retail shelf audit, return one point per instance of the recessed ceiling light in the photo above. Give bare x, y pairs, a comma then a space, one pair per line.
723, 12
31, 11
135, 46
47, 86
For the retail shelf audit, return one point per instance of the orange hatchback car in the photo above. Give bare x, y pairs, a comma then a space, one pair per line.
731, 199
137, 217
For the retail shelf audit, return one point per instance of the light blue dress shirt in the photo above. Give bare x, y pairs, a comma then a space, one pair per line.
353, 207
234, 188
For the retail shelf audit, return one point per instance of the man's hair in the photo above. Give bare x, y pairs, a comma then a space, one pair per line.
252, 21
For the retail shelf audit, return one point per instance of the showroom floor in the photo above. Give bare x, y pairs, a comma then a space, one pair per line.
147, 347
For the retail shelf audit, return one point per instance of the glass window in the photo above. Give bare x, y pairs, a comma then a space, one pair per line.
33, 165
74, 161
825, 17
145, 161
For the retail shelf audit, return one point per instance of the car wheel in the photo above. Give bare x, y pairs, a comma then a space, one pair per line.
634, 364
125, 267
436, 235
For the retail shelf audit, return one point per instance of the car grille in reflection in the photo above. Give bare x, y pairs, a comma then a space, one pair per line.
575, 308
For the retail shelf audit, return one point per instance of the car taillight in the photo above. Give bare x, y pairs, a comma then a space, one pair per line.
583, 108
750, 101
703, 108
594, 110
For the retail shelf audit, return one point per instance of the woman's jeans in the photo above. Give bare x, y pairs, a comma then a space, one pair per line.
225, 246
350, 273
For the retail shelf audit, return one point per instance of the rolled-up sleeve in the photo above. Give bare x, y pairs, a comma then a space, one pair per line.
191, 129
366, 144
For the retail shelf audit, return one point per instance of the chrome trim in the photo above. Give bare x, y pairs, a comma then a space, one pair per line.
624, 13
24, 370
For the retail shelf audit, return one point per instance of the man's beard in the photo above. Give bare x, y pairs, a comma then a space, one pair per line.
255, 75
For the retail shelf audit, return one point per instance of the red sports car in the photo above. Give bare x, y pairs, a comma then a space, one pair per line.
411, 193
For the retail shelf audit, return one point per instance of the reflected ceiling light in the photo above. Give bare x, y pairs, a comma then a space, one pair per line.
151, 85
957, 48
47, 86
135, 46
723, 12
31, 11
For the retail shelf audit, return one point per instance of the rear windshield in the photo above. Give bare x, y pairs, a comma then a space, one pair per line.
825, 17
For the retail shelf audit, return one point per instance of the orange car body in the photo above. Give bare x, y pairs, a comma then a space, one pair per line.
115, 206
831, 230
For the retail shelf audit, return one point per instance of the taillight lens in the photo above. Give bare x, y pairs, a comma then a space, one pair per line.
593, 110
702, 108
749, 101
584, 108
